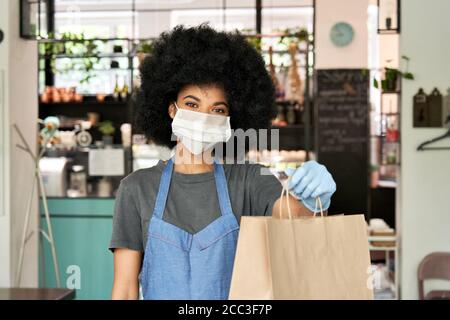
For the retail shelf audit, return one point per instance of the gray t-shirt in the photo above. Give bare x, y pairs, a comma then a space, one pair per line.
192, 201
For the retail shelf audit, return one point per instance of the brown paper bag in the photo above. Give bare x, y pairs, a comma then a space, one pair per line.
302, 258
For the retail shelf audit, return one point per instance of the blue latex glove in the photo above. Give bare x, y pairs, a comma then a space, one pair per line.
310, 181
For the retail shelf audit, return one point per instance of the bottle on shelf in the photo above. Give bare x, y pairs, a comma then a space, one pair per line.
281, 76
280, 119
383, 124
124, 92
78, 180
116, 92
104, 187
298, 110
392, 133
290, 114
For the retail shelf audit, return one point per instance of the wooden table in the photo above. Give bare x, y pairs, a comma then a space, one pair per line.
36, 294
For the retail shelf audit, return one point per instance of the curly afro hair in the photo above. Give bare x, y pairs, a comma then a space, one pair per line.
201, 55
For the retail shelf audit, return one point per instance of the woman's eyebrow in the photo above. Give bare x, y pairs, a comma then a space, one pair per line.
214, 104
192, 97
221, 102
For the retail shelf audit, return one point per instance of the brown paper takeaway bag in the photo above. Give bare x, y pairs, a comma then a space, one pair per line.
323, 257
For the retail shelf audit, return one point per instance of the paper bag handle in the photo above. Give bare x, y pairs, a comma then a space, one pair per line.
318, 201
285, 194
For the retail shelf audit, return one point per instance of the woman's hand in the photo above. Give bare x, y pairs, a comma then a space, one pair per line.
310, 181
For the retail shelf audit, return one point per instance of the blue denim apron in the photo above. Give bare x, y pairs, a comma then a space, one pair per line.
179, 265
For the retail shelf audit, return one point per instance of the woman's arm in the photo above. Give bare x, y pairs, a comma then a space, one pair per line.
127, 265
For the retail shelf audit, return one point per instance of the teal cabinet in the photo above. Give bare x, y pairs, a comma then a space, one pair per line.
82, 230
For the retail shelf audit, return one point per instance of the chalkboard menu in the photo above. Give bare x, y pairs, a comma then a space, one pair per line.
342, 135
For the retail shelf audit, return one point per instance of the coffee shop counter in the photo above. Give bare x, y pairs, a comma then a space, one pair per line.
82, 229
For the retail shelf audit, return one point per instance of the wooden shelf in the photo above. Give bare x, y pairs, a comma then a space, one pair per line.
80, 56
376, 248
285, 51
100, 70
388, 31
92, 39
390, 113
118, 112
387, 184
391, 92
87, 102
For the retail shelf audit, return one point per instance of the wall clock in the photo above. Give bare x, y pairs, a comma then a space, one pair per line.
342, 34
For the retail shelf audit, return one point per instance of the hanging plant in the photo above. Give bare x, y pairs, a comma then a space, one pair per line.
254, 40
145, 46
391, 76
297, 34
71, 44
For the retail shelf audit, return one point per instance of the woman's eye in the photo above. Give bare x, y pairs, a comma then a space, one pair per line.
219, 110
191, 104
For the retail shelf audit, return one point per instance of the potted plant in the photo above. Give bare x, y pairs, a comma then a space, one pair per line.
144, 49
107, 129
391, 76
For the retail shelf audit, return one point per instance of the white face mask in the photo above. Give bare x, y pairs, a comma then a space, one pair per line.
200, 131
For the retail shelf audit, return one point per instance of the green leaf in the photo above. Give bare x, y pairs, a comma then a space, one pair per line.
408, 75
393, 70
375, 83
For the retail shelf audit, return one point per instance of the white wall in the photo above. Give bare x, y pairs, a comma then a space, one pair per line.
18, 60
425, 183
328, 12
389, 50
5, 270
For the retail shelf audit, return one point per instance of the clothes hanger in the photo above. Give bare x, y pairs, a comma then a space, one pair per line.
441, 137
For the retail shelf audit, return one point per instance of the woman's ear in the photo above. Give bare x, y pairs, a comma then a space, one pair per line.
171, 110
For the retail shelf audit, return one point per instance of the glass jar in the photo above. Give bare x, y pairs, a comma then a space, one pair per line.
78, 180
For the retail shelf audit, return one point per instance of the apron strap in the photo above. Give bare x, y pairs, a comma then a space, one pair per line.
163, 190
221, 187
